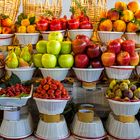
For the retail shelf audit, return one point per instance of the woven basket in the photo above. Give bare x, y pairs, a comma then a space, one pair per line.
9, 8
94, 8
40, 7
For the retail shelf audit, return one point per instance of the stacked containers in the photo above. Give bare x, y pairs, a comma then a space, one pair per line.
51, 125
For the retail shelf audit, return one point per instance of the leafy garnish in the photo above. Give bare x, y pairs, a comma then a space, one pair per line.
103, 19
32, 20
13, 80
23, 95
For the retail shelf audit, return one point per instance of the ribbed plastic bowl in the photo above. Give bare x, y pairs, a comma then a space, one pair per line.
56, 73
124, 108
27, 38
24, 74
125, 131
17, 129
133, 36
74, 33
49, 106
119, 72
106, 36
6, 39
93, 130
52, 131
88, 74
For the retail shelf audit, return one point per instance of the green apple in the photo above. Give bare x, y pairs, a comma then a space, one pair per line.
41, 46
66, 60
37, 60
65, 47
53, 47
49, 61
55, 36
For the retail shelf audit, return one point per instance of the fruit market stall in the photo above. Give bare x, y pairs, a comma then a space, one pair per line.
74, 78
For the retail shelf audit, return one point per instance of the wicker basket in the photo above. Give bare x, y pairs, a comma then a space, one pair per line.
40, 7
94, 8
9, 8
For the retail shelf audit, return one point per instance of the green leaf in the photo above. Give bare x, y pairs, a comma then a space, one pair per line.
2, 85
32, 20
14, 79
23, 95
103, 19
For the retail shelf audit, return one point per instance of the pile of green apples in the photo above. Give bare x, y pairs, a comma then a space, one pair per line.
19, 58
54, 53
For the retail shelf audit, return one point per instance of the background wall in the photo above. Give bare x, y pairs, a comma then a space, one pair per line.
66, 5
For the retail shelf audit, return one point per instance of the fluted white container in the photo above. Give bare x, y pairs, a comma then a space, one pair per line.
106, 36
27, 38
74, 33
50, 106
45, 34
88, 74
119, 72
124, 108
17, 129
121, 130
15, 101
52, 131
138, 70
24, 74
93, 130
6, 39
56, 73
133, 36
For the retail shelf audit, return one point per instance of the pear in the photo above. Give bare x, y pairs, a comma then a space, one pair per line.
12, 60
23, 63
25, 54
17, 51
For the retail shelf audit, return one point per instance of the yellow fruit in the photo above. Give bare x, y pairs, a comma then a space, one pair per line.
31, 29
25, 22
22, 29
31, 15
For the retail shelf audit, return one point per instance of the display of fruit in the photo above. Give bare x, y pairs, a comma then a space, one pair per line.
53, 53
56, 24
80, 22
86, 53
26, 23
17, 90
19, 58
120, 53
51, 89
122, 18
123, 91
6, 25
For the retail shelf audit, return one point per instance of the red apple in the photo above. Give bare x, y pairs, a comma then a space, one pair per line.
120, 40
96, 64
55, 25
73, 23
81, 61
93, 51
6, 22
134, 59
83, 37
78, 46
114, 46
6, 30
85, 25
83, 17
129, 46
108, 59
123, 58
42, 24
64, 22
